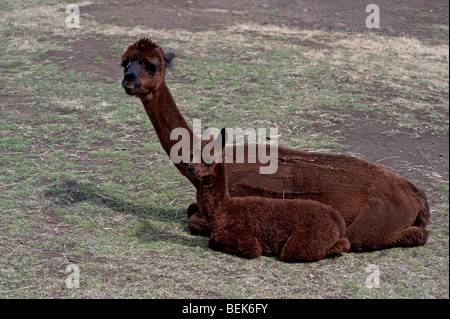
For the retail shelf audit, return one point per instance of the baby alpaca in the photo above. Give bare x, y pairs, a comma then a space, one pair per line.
293, 229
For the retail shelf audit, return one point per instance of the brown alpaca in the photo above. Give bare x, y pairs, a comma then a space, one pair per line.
380, 209
293, 229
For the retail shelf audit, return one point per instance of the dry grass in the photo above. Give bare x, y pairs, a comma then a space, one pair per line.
402, 59
277, 30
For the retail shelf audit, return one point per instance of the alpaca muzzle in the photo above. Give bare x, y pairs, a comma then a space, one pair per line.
131, 82
191, 170
131, 86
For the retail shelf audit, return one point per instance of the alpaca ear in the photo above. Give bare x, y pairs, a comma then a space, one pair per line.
168, 59
223, 137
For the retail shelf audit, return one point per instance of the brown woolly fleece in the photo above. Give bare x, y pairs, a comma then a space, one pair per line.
380, 209
293, 229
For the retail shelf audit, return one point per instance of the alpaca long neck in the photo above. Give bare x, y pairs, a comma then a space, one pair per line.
213, 197
165, 117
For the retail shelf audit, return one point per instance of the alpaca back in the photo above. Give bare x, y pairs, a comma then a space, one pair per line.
272, 222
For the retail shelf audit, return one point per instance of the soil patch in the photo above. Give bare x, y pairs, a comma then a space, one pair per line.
423, 19
421, 157
96, 56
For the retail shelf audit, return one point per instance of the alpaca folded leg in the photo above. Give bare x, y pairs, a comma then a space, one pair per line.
408, 237
379, 226
198, 226
302, 246
411, 236
192, 209
342, 245
245, 246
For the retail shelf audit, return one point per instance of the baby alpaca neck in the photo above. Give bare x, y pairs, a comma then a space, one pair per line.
213, 196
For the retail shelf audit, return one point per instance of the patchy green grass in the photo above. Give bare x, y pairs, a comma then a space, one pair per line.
84, 180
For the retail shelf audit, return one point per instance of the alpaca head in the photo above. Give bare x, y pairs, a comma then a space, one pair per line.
144, 64
212, 162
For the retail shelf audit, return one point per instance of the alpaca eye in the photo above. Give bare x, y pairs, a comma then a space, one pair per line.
152, 68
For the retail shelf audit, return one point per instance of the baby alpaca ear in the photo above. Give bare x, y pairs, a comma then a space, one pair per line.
223, 137
168, 59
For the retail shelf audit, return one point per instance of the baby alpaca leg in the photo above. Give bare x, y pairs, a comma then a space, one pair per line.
198, 226
243, 245
302, 246
192, 209
342, 245
312, 244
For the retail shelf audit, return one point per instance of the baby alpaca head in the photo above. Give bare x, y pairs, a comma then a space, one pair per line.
211, 162
144, 65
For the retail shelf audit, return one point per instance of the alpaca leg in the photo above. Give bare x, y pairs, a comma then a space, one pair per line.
302, 245
411, 236
342, 245
381, 226
245, 246
198, 226
408, 237
192, 209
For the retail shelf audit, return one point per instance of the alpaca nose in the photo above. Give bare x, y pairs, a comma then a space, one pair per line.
191, 169
131, 83
129, 77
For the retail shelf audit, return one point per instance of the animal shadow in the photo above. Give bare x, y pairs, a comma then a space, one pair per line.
156, 223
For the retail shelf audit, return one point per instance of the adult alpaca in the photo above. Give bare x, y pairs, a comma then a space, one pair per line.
380, 209
293, 229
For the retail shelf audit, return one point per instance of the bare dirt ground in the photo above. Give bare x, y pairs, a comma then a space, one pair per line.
396, 17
